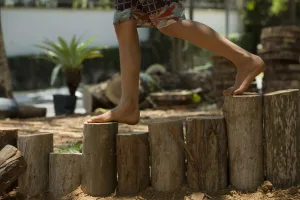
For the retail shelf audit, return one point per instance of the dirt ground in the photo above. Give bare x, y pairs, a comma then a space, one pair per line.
69, 129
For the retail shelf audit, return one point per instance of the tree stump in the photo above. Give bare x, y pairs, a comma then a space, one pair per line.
65, 174
207, 143
8, 136
281, 127
133, 163
167, 155
12, 165
36, 149
99, 176
243, 115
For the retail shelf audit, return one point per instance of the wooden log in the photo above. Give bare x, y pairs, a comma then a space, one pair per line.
133, 163
8, 136
12, 165
167, 155
243, 115
281, 128
99, 176
65, 174
31, 112
36, 149
207, 143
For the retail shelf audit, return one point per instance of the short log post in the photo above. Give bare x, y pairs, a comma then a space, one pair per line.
167, 155
207, 143
12, 165
243, 115
36, 149
8, 136
133, 162
281, 127
99, 176
65, 174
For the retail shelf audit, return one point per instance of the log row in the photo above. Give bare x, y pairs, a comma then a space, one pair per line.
257, 138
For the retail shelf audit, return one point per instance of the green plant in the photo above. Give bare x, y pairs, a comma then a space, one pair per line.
75, 147
68, 58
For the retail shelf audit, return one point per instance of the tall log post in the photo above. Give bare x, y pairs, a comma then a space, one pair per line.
12, 165
99, 176
167, 155
65, 174
243, 115
36, 149
133, 163
281, 128
207, 143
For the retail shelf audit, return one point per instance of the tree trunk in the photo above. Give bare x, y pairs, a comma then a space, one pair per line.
281, 127
167, 155
65, 174
31, 112
5, 78
99, 176
8, 136
12, 165
36, 149
243, 115
207, 141
133, 163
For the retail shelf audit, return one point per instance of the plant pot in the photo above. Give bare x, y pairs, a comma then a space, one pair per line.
64, 104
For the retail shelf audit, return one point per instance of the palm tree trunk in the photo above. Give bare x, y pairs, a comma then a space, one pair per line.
5, 78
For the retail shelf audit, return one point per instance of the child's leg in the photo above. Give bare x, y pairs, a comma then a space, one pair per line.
128, 109
248, 65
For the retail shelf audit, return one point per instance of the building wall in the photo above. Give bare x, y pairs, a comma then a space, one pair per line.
24, 27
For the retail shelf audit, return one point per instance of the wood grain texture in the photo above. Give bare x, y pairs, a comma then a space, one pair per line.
65, 174
281, 128
243, 115
167, 155
36, 149
207, 143
99, 175
133, 162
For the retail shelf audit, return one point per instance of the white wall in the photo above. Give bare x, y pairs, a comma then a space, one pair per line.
22, 28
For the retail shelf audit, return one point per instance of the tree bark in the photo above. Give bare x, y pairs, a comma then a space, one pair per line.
133, 163
99, 176
5, 78
207, 142
12, 165
281, 128
65, 174
167, 155
8, 136
36, 149
243, 115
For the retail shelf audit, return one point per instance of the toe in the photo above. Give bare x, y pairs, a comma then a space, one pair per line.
229, 91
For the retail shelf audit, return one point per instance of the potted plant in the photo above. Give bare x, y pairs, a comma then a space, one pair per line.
68, 58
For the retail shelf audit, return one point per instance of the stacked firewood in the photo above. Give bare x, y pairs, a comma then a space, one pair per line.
280, 50
223, 74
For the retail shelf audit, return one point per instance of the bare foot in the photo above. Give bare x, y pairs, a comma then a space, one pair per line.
246, 73
126, 113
